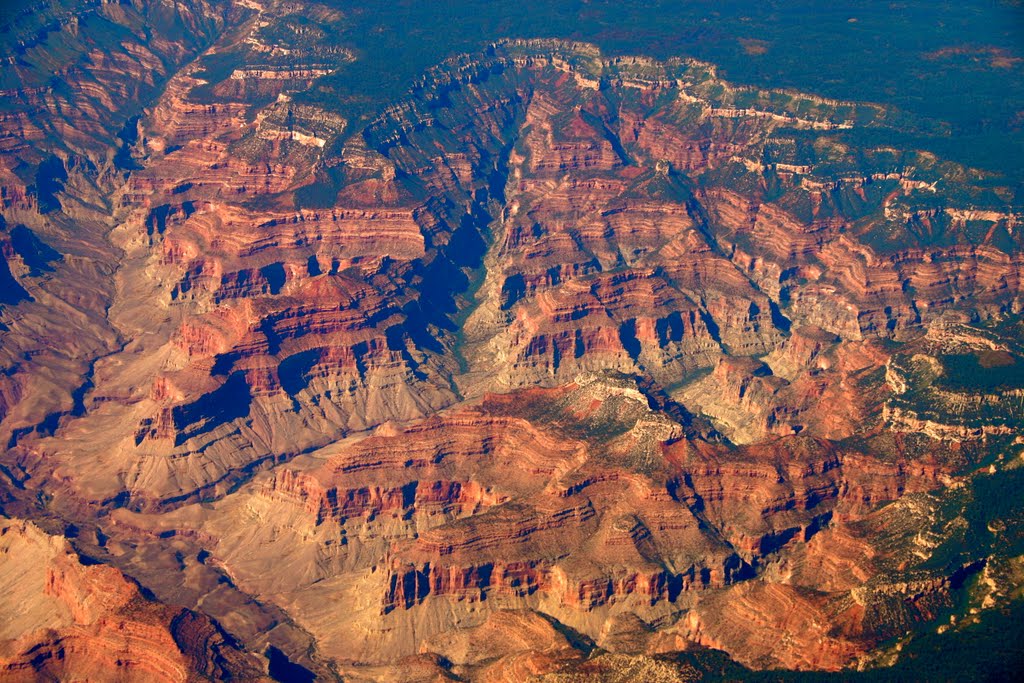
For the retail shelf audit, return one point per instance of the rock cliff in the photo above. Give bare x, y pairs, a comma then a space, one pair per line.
560, 353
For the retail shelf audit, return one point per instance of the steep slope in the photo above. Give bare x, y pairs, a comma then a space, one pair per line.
604, 352
75, 81
67, 618
598, 242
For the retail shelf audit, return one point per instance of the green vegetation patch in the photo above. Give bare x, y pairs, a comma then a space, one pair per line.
982, 371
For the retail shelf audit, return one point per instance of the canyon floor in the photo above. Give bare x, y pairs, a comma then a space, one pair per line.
558, 365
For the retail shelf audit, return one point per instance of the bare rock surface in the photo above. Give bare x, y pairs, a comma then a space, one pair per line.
562, 367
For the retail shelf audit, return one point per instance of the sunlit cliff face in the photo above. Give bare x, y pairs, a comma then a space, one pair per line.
563, 363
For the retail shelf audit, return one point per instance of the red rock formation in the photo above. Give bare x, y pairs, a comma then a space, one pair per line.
69, 619
748, 620
680, 404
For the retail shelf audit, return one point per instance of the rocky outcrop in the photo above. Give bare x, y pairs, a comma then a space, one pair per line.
68, 618
559, 351
534, 231
550, 501
747, 620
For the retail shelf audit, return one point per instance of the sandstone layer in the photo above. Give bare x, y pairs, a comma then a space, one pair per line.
563, 365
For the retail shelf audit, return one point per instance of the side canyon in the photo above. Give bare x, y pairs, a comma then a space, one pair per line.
563, 366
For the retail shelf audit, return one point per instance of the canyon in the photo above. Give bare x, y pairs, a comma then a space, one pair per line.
562, 366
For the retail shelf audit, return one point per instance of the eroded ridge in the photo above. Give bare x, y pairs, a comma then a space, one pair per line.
560, 354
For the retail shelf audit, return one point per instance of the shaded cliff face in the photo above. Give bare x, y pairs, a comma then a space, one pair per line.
606, 353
